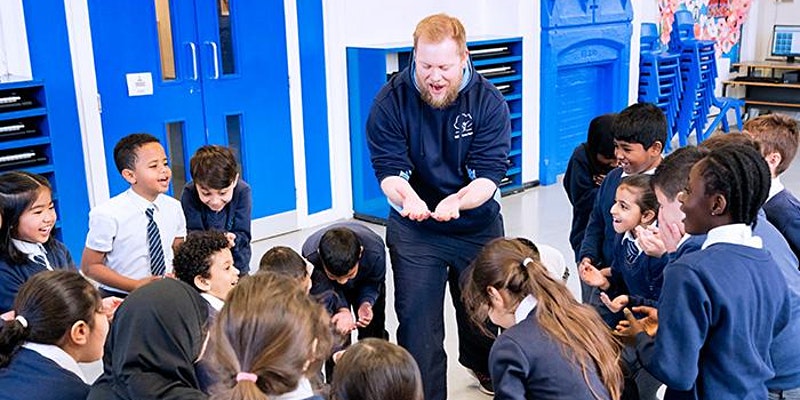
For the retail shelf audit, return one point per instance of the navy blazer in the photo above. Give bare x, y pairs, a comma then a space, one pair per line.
234, 218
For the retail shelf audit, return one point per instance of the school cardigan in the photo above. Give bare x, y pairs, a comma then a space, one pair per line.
371, 267
581, 192
599, 239
234, 218
719, 311
33, 376
525, 363
783, 211
12, 276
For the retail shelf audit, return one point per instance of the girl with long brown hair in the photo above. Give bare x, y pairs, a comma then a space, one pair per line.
553, 347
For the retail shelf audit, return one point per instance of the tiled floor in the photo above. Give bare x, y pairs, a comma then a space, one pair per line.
542, 214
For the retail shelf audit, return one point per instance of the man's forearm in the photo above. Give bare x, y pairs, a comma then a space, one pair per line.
476, 193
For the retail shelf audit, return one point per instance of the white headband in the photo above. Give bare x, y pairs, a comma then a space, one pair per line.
22, 321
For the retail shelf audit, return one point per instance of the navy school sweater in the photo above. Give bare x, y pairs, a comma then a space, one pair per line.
440, 151
581, 192
371, 268
32, 376
783, 211
12, 276
719, 311
599, 237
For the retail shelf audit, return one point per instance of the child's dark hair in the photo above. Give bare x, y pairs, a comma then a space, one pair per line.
285, 261
672, 174
576, 328
376, 369
642, 123
739, 173
600, 140
193, 257
49, 303
125, 149
777, 133
719, 140
18, 191
268, 328
214, 167
646, 200
340, 250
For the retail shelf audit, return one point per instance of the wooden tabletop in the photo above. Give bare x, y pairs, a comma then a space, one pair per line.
767, 64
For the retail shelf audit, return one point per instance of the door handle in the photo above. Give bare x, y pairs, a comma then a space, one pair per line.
193, 48
216, 58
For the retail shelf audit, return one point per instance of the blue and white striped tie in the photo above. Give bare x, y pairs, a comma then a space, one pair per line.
154, 249
631, 251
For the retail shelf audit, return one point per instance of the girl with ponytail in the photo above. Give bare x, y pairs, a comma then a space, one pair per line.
553, 347
268, 340
59, 321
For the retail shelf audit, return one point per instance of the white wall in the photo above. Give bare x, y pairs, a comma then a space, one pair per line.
14, 56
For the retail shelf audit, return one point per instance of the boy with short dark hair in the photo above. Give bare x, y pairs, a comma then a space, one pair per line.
217, 198
350, 260
205, 262
285, 261
778, 137
639, 135
133, 235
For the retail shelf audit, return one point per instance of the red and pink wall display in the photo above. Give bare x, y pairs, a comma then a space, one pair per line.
718, 20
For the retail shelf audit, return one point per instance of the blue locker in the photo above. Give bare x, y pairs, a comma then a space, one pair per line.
584, 73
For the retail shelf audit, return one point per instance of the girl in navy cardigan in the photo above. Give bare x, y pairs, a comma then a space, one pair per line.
26, 236
553, 347
268, 340
721, 306
60, 321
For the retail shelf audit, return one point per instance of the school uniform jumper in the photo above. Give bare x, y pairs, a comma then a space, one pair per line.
526, 363
783, 211
234, 218
439, 151
12, 276
719, 311
369, 284
599, 240
30, 375
581, 192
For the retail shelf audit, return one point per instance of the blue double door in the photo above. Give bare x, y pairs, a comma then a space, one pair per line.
196, 72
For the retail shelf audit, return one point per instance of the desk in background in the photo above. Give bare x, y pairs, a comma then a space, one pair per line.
777, 96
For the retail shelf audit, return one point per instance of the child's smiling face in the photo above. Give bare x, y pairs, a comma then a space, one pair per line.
626, 214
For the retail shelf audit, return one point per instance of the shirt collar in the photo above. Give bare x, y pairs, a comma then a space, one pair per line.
524, 308
301, 392
775, 187
650, 171
740, 234
213, 301
141, 202
58, 356
31, 250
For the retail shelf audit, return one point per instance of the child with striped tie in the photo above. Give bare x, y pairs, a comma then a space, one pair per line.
634, 278
133, 235
28, 218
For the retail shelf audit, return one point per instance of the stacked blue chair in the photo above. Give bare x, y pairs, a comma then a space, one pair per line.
698, 69
659, 78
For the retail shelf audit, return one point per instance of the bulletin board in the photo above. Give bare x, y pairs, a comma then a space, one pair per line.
718, 20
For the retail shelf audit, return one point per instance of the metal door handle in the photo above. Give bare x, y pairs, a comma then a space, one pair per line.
216, 58
194, 60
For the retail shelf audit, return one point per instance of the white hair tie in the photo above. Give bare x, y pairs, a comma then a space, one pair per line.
22, 321
527, 261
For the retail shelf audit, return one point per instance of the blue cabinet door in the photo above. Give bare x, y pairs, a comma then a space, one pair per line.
220, 76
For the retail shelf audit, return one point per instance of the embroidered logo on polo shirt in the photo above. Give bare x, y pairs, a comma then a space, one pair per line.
463, 126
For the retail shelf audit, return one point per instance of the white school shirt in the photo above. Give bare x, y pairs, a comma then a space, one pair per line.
31, 250
118, 228
524, 308
58, 356
740, 234
774, 188
214, 302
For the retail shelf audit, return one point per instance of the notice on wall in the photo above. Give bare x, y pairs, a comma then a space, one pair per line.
140, 84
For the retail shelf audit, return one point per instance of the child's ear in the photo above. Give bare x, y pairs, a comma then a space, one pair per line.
656, 148
648, 217
719, 205
129, 176
202, 283
773, 160
79, 333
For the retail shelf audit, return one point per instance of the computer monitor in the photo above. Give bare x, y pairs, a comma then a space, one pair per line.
786, 41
